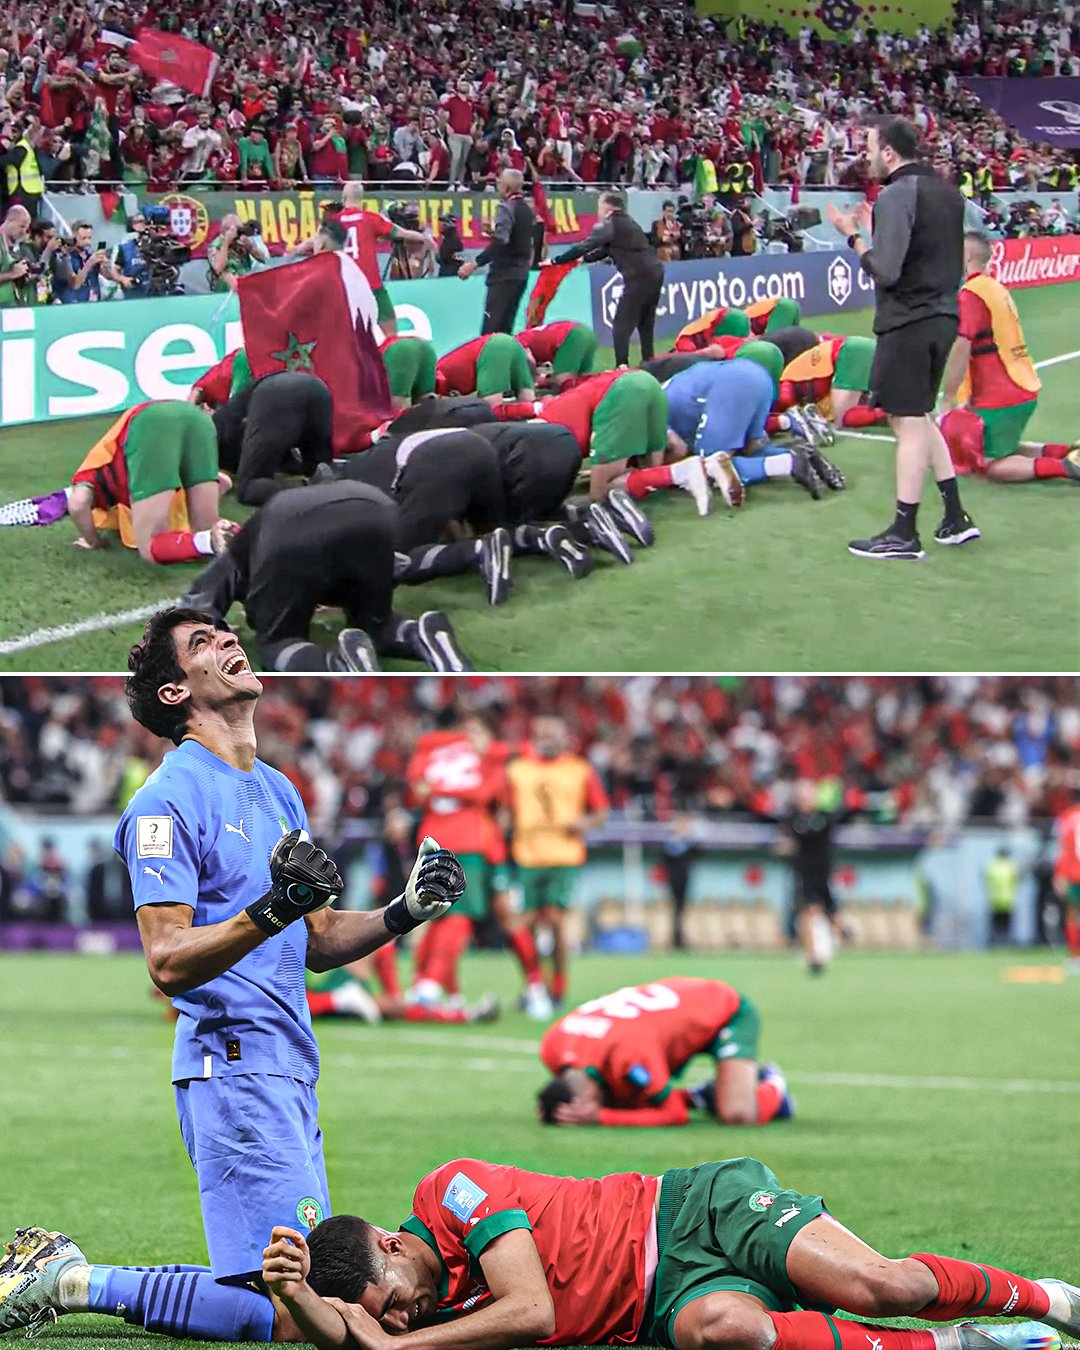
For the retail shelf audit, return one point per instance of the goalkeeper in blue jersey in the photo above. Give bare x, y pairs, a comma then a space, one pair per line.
233, 901
720, 408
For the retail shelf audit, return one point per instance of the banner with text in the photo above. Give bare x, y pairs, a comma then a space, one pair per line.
822, 283
79, 360
1036, 262
288, 217
834, 19
1042, 110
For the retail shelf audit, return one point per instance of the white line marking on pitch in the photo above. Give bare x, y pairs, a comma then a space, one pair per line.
96, 623
42, 637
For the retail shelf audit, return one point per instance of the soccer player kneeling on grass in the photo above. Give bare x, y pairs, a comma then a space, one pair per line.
491, 367
614, 1058
715, 1256
991, 386
564, 352
410, 366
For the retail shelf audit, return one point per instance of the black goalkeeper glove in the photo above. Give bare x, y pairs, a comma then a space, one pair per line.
303, 880
436, 882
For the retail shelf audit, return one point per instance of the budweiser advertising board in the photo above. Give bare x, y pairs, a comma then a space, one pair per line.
1036, 262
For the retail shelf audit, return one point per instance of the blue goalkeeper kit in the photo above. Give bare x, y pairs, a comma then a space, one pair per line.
720, 405
245, 1061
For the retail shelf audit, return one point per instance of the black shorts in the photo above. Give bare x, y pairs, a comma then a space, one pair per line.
812, 888
539, 463
909, 363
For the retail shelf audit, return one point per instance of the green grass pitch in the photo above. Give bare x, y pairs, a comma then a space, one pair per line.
769, 588
937, 1106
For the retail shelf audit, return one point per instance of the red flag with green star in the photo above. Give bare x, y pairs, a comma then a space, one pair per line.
319, 316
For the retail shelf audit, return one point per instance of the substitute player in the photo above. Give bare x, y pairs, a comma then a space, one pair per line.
991, 388
614, 1058
715, 1257
491, 367
232, 900
1067, 879
833, 376
555, 799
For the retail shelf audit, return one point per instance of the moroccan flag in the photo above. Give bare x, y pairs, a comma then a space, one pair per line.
547, 283
628, 44
541, 206
178, 60
320, 316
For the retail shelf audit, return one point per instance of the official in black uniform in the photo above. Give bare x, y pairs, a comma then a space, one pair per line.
330, 543
619, 238
259, 428
508, 256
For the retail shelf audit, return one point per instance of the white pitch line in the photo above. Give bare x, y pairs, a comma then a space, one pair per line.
1056, 360
96, 623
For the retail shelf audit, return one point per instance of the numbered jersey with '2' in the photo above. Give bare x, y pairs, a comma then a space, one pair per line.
636, 1039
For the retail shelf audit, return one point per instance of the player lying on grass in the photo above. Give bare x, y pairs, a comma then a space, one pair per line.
326, 544
614, 1058
991, 388
491, 367
152, 478
714, 1257
352, 993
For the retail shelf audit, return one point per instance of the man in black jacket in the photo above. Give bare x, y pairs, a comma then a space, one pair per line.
916, 258
617, 236
509, 253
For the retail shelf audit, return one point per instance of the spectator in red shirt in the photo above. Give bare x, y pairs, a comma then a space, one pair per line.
329, 163
461, 111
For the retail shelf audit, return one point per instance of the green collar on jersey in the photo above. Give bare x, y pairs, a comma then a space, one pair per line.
420, 1229
657, 1099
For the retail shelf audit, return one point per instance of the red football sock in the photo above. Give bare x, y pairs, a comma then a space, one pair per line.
1045, 467
175, 546
524, 948
320, 1004
816, 1331
772, 425
965, 1289
769, 1098
517, 412
416, 1012
860, 416
558, 985
449, 937
1054, 450
1072, 935
386, 969
640, 482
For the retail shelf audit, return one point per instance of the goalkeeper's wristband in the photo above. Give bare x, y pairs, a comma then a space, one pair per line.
397, 918
264, 914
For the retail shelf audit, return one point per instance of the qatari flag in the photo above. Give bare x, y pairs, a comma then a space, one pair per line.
1042, 110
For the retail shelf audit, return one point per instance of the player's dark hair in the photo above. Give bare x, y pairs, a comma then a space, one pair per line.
614, 199
558, 1091
342, 1257
153, 662
334, 231
900, 135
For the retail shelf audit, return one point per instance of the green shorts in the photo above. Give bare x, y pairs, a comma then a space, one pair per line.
482, 880
576, 354
631, 419
384, 305
502, 367
169, 446
547, 886
1003, 428
785, 314
1072, 893
410, 364
724, 1225
853, 363
739, 1039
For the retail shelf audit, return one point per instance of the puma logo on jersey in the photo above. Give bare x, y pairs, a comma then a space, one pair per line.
238, 829
160, 873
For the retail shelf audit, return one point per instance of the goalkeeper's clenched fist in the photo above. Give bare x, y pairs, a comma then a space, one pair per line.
302, 880
436, 881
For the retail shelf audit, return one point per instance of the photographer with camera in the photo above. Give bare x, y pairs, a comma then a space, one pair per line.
40, 250
743, 238
412, 250
451, 252
15, 279
666, 234
79, 268
133, 270
235, 252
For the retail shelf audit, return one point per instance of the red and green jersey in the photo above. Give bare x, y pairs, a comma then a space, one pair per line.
635, 1040
216, 384
363, 230
105, 466
456, 371
461, 788
1067, 829
1000, 373
545, 341
574, 409
592, 1236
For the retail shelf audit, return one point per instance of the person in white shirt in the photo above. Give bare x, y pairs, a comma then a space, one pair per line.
200, 141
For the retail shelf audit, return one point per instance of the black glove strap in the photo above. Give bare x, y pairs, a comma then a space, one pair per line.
397, 918
262, 915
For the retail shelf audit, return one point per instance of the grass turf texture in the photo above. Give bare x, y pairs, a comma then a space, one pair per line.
979, 1171
769, 588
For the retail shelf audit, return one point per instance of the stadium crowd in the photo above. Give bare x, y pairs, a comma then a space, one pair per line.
927, 751
633, 93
